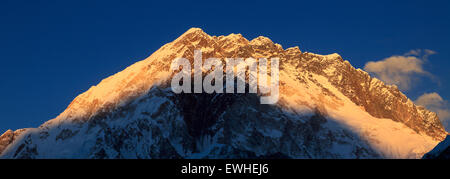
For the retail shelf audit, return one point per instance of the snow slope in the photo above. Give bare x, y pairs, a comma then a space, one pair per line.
441, 151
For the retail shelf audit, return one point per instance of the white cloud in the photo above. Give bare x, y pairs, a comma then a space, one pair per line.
435, 103
398, 70
430, 100
401, 70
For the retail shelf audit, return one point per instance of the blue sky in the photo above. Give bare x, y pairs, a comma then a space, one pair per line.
51, 51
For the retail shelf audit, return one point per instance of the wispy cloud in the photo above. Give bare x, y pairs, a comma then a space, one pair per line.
419, 52
401, 70
435, 103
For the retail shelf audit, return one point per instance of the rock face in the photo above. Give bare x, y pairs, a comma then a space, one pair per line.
8, 137
326, 109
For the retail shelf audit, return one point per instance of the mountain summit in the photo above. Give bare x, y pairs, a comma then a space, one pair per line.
326, 109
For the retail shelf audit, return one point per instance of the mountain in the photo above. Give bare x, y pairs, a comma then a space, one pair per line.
326, 109
441, 151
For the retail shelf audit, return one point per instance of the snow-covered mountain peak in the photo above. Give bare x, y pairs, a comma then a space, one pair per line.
261, 40
327, 109
193, 35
